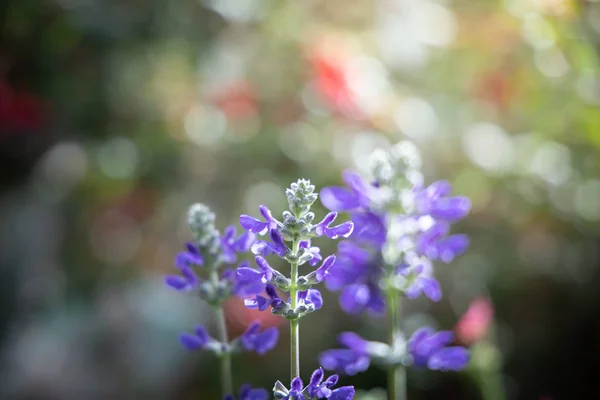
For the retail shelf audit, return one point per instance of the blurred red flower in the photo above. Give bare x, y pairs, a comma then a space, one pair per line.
330, 80
20, 110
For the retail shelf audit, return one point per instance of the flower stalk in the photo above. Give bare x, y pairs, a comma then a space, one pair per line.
396, 373
225, 356
294, 323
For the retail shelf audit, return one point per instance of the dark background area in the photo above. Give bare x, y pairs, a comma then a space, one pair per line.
116, 115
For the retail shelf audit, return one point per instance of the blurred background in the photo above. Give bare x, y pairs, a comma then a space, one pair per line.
115, 115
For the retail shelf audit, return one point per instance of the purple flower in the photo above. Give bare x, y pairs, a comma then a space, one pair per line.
248, 281
435, 243
189, 258
421, 282
428, 349
312, 250
231, 245
435, 201
257, 226
247, 393
358, 196
369, 228
310, 297
184, 261
198, 340
324, 228
184, 283
317, 388
321, 389
352, 360
356, 274
323, 271
276, 246
261, 342
262, 303
268, 272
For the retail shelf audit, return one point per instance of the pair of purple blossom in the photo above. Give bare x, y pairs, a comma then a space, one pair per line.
251, 340
425, 349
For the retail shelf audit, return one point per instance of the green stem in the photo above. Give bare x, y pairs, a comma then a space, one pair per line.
225, 358
294, 324
397, 373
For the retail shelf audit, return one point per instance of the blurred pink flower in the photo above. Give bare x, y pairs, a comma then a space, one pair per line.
237, 101
475, 323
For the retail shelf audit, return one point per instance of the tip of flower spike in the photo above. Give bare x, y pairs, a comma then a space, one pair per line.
301, 196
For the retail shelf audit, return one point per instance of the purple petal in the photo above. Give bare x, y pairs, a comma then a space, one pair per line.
316, 256
253, 225
267, 340
449, 359
229, 233
314, 297
279, 245
342, 393
337, 198
344, 360
418, 337
325, 268
438, 189
343, 230
354, 252
316, 377
264, 265
257, 302
353, 341
451, 208
251, 330
297, 384
368, 228
266, 213
271, 292
191, 342
362, 189
452, 246
354, 298
320, 227
192, 249
177, 282
331, 381
243, 243
431, 288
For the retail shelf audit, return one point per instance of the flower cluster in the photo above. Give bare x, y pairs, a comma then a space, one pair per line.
296, 227
400, 228
201, 273
317, 388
